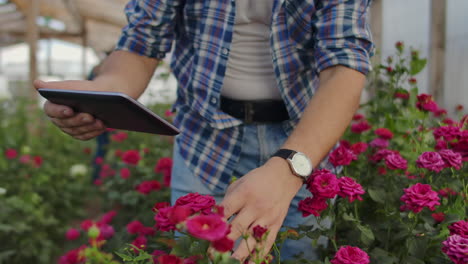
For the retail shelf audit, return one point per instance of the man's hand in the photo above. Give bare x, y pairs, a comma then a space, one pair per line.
81, 126
261, 197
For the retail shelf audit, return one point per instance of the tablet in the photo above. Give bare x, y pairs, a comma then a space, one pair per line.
115, 110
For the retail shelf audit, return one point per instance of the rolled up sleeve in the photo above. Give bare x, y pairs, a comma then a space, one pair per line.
343, 36
150, 28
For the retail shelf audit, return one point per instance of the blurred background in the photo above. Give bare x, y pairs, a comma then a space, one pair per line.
65, 39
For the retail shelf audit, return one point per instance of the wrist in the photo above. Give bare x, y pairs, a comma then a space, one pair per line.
284, 173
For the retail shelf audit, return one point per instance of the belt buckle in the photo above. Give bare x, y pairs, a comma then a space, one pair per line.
249, 112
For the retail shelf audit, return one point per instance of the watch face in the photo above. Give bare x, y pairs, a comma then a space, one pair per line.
301, 164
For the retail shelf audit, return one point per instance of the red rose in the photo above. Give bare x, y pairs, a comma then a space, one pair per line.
223, 245
169, 259
358, 148
448, 133
412, 81
163, 221
197, 202
384, 133
106, 231
86, 224
134, 227
139, 242
324, 185
438, 217
425, 103
131, 157
258, 232
358, 117
148, 186
342, 156
11, 153
402, 95
360, 127
381, 154
312, 205
147, 231
72, 234
419, 196
160, 205
119, 137
124, 173
207, 227
179, 214
350, 255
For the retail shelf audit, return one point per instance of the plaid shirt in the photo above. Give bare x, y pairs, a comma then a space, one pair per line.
306, 37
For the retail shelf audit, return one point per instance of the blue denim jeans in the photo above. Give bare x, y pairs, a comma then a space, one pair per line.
260, 142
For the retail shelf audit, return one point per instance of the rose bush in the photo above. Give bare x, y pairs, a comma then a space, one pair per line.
400, 196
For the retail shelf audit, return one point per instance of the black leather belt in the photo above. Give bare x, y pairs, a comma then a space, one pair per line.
257, 111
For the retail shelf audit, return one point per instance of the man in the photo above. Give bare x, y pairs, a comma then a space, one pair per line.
260, 82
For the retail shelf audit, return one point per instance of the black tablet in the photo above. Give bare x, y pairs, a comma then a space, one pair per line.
115, 110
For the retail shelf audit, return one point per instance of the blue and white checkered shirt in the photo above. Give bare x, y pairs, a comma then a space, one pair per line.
307, 36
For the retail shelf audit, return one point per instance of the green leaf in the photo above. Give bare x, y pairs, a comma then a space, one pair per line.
417, 65
377, 196
381, 256
123, 256
412, 260
417, 246
367, 236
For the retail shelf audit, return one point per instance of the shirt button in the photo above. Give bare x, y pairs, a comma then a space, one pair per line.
225, 51
214, 100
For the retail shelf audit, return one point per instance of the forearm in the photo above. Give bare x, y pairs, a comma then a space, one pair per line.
126, 72
328, 114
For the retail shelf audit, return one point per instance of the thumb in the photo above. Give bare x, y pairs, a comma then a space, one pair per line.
65, 85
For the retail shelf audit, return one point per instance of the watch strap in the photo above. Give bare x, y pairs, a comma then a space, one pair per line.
284, 153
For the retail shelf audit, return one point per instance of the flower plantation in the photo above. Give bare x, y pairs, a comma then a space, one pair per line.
400, 196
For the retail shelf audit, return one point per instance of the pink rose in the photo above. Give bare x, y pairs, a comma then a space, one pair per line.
445, 192
324, 185
440, 145
312, 205
197, 202
164, 166
86, 224
451, 159
461, 147
106, 231
73, 256
384, 133
431, 161
131, 157
459, 228
448, 133
208, 227
350, 189
107, 217
147, 231
160, 205
455, 247
179, 214
350, 255
342, 156
394, 162
72, 234
419, 196
381, 154
379, 143
425, 103
11, 153
360, 127
358, 117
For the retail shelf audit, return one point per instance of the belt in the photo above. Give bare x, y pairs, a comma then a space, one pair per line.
255, 111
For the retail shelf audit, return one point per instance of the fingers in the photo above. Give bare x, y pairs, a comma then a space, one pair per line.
65, 85
57, 111
256, 248
233, 202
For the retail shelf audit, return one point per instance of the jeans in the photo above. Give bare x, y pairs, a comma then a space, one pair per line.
259, 143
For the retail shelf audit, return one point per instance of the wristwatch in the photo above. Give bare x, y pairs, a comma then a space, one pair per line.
299, 163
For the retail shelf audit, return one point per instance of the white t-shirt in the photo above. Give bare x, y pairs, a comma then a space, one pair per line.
250, 74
